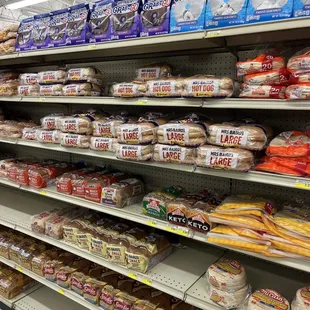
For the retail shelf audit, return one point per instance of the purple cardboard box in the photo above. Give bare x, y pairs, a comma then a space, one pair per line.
24, 35
78, 30
40, 29
126, 19
58, 28
100, 21
155, 17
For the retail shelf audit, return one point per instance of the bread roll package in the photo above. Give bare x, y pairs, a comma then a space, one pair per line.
51, 90
30, 133
82, 89
299, 77
207, 86
134, 152
28, 79
128, 90
210, 156
103, 144
52, 77
86, 74
78, 123
106, 127
165, 87
8, 89
153, 71
272, 77
248, 135
299, 62
174, 154
298, 91
28, 90
74, 140
8, 46
302, 299
262, 91
49, 122
48, 136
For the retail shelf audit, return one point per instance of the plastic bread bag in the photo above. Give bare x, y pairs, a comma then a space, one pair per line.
48, 136
298, 91
82, 89
107, 297
77, 123
262, 63
52, 77
189, 131
103, 144
266, 299
49, 122
174, 154
9, 76
51, 90
74, 140
134, 152
301, 300
128, 90
8, 89
40, 31
246, 135
272, 77
8, 32
153, 71
165, 87
224, 158
86, 74
24, 35
207, 86
28, 79
142, 132
28, 90
30, 133
299, 78
262, 91
300, 61
289, 144
8, 47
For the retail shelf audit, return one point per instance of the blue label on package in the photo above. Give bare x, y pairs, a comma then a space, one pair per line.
225, 13
58, 28
40, 30
24, 35
100, 21
187, 15
155, 17
301, 8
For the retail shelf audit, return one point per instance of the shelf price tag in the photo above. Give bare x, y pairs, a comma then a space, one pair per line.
212, 34
43, 193
141, 102
91, 47
151, 223
304, 184
132, 275
60, 291
40, 99
147, 281
19, 269
183, 232
172, 229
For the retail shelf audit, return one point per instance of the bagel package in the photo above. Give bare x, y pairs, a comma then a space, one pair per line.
189, 131
49, 122
128, 90
28, 90
207, 86
86, 74
28, 79
134, 152
52, 77
48, 136
210, 156
262, 91
103, 144
247, 135
74, 140
299, 62
51, 90
153, 71
272, 77
165, 87
81, 89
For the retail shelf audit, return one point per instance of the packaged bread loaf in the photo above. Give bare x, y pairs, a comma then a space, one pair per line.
52, 77
87, 74
27, 253
302, 300
28, 79
82, 89
49, 122
8, 89
153, 71
107, 297
128, 90
28, 90
298, 91
103, 144
224, 158
207, 86
74, 140
48, 136
30, 133
262, 91
272, 77
299, 62
165, 87
92, 290
51, 90
134, 152
248, 135
174, 154
38, 261
299, 77
78, 123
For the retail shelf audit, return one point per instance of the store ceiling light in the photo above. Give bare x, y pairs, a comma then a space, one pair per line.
22, 4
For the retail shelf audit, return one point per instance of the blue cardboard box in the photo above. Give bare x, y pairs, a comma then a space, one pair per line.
301, 8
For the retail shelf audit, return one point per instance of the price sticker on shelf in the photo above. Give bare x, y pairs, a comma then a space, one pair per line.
60, 291
41, 99
91, 47
172, 229
212, 34
151, 223
141, 102
132, 275
19, 269
183, 232
147, 281
43, 193
304, 184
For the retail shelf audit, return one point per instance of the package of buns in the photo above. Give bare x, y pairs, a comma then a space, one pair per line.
144, 255
246, 135
9, 88
92, 290
189, 131
28, 79
128, 90
49, 122
78, 123
81, 89
299, 62
153, 71
207, 86
9, 76
272, 77
299, 77
134, 152
8, 32
302, 299
103, 144
298, 91
74, 140
8, 47
174, 154
11, 129
30, 133
210, 156
123, 193
28, 90
86, 74
51, 90
262, 91
52, 77
48, 136
165, 87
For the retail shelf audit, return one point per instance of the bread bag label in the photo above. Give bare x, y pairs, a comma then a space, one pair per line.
98, 246
270, 299
30, 134
116, 254
171, 153
77, 286
75, 74
71, 124
177, 214
148, 73
48, 136
49, 90
127, 90
71, 140
177, 133
136, 262
104, 129
161, 88
72, 90
29, 78
198, 221
221, 159
204, 88
49, 123
106, 299
48, 77
24, 90
109, 195
131, 135
231, 137
305, 294
102, 144
155, 208
130, 152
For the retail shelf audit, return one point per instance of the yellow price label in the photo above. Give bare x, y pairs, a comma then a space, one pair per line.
151, 223
40, 99
182, 232
19, 269
43, 193
91, 47
140, 102
60, 291
172, 229
132, 275
147, 281
304, 184
212, 34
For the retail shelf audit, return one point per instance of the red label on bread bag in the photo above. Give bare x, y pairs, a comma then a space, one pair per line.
275, 91
107, 298
221, 159
64, 186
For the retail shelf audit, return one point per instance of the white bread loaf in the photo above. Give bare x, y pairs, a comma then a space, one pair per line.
174, 154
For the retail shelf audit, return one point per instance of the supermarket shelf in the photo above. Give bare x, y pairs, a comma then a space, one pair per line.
46, 299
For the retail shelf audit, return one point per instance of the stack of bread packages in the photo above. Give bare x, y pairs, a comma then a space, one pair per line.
8, 36
288, 153
263, 77
299, 67
231, 144
51, 82
28, 84
8, 83
136, 139
227, 283
14, 129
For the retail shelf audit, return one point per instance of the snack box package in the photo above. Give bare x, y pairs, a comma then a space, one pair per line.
100, 21
301, 8
187, 15
40, 30
265, 10
126, 19
225, 13
78, 30
58, 28
24, 35
155, 17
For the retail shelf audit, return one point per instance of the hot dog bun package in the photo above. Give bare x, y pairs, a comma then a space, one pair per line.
128, 89
227, 283
153, 71
188, 132
52, 77
246, 135
272, 77
85, 75
165, 87
262, 91
298, 91
302, 299
299, 62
